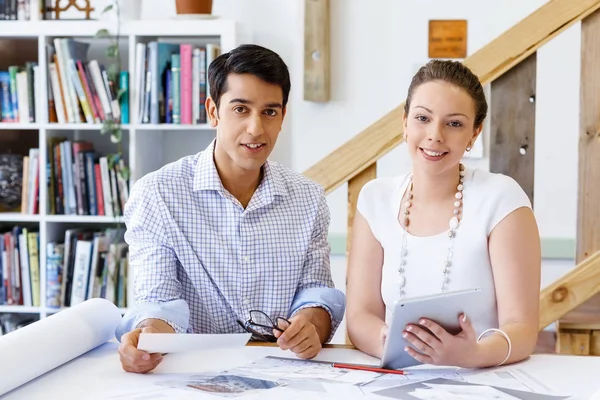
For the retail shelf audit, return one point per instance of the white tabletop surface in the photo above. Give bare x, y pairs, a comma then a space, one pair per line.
99, 371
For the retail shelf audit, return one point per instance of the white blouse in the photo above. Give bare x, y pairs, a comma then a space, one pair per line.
488, 198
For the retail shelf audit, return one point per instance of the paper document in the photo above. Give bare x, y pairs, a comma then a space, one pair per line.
450, 389
462, 392
293, 369
177, 343
513, 378
386, 381
270, 377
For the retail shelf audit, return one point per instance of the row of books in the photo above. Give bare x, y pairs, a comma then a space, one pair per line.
20, 267
18, 93
87, 264
30, 185
79, 181
80, 91
173, 82
82, 182
15, 10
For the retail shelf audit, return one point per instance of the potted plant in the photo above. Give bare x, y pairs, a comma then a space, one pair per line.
193, 6
122, 10
113, 69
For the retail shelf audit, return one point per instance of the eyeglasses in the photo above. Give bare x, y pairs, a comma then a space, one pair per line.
261, 326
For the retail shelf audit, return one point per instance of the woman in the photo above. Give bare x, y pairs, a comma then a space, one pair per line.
444, 227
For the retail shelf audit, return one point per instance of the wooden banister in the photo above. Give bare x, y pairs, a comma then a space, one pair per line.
360, 152
488, 63
570, 291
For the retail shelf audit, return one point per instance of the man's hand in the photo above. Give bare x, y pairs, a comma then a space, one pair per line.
134, 360
309, 329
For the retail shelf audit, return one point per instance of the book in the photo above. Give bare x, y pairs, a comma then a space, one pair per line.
175, 88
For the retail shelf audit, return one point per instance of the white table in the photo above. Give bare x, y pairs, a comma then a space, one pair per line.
93, 371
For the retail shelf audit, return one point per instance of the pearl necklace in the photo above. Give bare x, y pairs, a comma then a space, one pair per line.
452, 225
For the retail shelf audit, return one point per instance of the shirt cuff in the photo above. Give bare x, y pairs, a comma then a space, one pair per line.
176, 313
331, 300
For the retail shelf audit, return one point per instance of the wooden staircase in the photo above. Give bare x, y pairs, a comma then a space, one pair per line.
506, 59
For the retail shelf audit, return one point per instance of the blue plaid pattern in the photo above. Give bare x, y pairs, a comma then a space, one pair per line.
202, 261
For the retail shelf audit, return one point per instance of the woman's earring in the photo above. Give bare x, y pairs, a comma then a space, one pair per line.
469, 148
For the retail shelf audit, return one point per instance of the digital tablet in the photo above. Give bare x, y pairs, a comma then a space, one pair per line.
444, 309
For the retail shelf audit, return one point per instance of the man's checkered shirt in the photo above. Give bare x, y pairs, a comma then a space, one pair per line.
201, 261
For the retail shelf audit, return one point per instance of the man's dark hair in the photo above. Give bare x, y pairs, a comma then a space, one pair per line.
263, 63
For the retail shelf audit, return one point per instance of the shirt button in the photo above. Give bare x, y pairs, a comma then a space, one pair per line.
246, 258
246, 301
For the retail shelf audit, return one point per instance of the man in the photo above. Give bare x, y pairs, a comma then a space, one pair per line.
225, 232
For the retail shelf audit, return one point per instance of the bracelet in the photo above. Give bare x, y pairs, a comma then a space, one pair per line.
507, 340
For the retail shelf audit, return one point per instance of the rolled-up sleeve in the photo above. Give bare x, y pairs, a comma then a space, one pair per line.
316, 288
157, 290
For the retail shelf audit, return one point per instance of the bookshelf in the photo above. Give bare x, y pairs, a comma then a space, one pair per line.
146, 147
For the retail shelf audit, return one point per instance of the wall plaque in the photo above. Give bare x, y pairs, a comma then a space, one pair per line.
448, 38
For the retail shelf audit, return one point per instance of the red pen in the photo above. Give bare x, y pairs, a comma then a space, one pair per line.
367, 368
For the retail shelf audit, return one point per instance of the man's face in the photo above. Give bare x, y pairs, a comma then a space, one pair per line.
248, 122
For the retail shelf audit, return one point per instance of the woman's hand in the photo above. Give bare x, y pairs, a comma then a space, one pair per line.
440, 347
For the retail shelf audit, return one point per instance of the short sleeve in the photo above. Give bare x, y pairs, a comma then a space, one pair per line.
368, 203
365, 200
507, 197
377, 202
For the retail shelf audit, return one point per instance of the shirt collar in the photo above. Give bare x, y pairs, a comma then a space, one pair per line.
206, 176
272, 182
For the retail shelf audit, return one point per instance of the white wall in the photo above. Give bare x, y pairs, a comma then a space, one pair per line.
376, 46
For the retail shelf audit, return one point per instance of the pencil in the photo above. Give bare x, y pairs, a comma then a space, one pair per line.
367, 368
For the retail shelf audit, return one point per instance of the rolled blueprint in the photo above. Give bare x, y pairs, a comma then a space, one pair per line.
50, 342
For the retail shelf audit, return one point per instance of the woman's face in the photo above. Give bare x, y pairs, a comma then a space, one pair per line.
439, 126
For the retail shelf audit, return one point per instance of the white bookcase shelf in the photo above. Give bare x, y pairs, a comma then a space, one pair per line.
146, 147
8, 126
20, 309
210, 28
81, 219
17, 217
18, 127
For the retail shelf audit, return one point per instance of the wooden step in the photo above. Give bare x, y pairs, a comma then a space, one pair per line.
578, 338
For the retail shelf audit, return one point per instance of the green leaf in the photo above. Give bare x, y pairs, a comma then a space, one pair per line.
120, 93
116, 135
107, 9
103, 33
125, 173
112, 69
112, 51
112, 160
113, 73
108, 127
